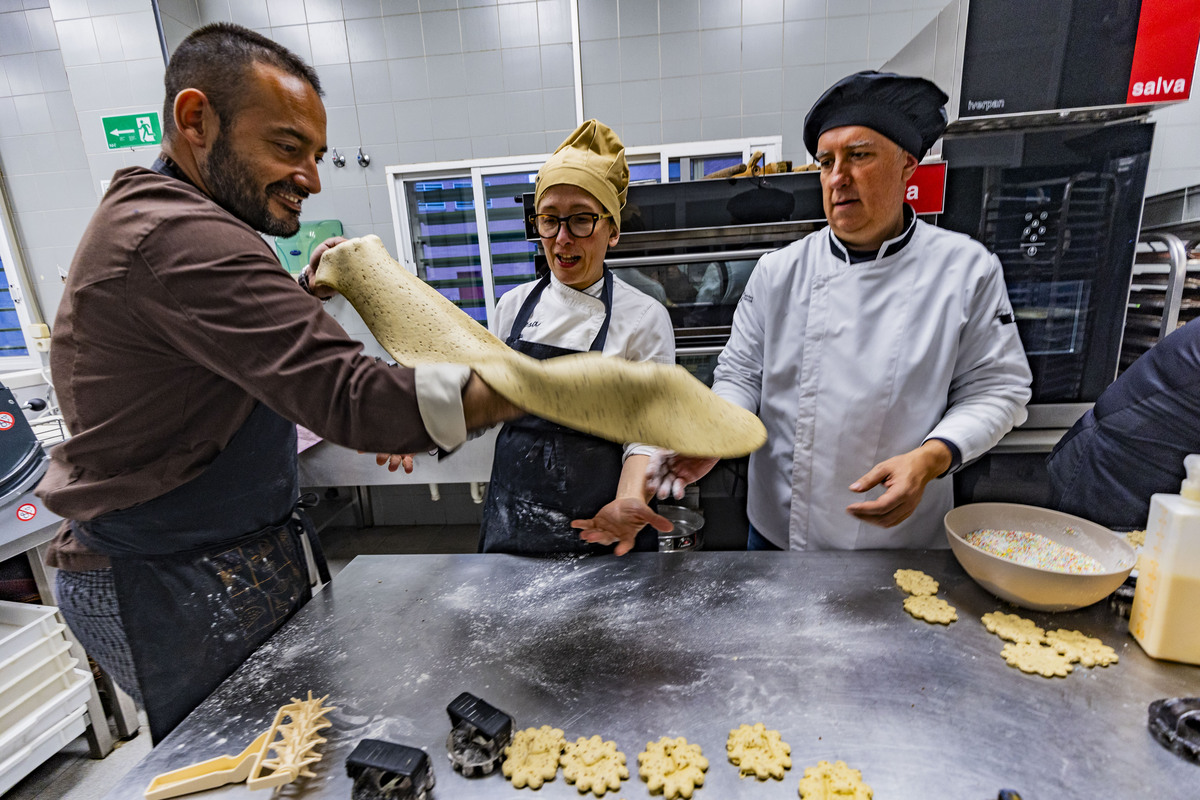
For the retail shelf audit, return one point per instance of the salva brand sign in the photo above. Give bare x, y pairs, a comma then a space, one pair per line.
1027, 56
1165, 53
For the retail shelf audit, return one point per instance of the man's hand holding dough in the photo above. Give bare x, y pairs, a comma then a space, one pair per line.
667, 473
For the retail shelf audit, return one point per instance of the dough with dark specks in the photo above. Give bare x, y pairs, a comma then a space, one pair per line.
930, 609
615, 399
835, 781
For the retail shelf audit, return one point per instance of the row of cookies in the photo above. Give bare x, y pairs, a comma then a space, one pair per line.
1030, 648
671, 766
1047, 653
921, 602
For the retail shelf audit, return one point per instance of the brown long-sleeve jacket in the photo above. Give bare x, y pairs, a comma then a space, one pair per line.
177, 317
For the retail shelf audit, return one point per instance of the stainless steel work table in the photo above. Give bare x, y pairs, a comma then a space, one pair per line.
694, 644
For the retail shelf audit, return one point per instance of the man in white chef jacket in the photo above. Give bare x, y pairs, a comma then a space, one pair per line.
881, 353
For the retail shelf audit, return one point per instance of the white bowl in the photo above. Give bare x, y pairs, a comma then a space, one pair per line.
1031, 587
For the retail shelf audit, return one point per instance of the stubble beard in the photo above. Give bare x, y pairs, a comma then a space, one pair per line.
231, 182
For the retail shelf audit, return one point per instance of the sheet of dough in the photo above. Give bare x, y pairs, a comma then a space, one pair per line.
612, 398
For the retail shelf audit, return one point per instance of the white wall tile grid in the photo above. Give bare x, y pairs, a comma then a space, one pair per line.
65, 63
424, 80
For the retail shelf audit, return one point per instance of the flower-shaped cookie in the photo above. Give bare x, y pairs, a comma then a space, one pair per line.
672, 766
834, 781
930, 609
594, 765
1078, 646
1037, 658
531, 758
1013, 628
759, 752
915, 582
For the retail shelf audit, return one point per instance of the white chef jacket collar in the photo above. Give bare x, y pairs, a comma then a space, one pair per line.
594, 290
888, 248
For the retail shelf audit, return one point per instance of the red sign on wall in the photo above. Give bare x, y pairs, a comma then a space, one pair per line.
1164, 54
926, 189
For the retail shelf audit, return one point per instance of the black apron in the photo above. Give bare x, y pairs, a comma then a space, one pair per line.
544, 475
206, 572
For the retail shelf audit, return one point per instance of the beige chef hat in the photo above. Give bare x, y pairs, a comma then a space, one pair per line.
593, 159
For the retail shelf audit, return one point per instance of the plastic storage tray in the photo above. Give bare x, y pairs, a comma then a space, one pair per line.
26, 759
42, 697
40, 650
46, 706
22, 624
41, 662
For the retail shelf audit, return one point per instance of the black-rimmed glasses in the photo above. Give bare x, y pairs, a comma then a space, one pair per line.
580, 226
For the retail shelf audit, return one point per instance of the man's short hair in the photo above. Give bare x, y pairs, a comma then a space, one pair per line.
217, 59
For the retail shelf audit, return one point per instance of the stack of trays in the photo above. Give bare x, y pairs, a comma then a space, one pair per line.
43, 697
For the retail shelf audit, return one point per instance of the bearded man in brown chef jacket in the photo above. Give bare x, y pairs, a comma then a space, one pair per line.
182, 355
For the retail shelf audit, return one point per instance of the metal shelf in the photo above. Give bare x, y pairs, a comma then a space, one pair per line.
1165, 288
1176, 212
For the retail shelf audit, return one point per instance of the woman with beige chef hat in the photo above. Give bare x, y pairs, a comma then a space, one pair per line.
554, 489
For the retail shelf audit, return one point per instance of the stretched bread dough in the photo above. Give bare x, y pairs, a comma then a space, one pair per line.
612, 398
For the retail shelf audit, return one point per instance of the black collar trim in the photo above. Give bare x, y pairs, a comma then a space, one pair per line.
843, 253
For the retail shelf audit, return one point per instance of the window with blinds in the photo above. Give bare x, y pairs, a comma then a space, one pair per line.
445, 230
512, 255
461, 225
446, 240
12, 339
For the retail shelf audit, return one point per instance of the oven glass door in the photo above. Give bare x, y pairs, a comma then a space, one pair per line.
698, 294
1060, 208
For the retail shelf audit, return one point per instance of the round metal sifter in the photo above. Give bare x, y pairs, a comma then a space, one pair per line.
688, 533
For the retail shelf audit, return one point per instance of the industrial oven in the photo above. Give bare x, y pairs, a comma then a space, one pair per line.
1045, 163
1059, 205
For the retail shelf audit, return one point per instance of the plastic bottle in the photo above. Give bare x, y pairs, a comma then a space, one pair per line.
1164, 618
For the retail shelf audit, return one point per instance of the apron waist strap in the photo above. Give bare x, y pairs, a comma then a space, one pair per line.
102, 544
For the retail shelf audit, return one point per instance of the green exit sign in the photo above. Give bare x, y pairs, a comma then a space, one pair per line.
132, 130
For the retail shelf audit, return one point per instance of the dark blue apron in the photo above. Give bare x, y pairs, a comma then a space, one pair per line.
544, 474
206, 572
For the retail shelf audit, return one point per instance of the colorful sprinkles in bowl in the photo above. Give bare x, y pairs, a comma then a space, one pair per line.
1034, 550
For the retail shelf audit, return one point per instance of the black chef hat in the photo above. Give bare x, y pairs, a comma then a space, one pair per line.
907, 110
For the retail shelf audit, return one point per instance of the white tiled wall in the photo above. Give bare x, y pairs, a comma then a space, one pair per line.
434, 80
1175, 159
437, 80
65, 64
680, 70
